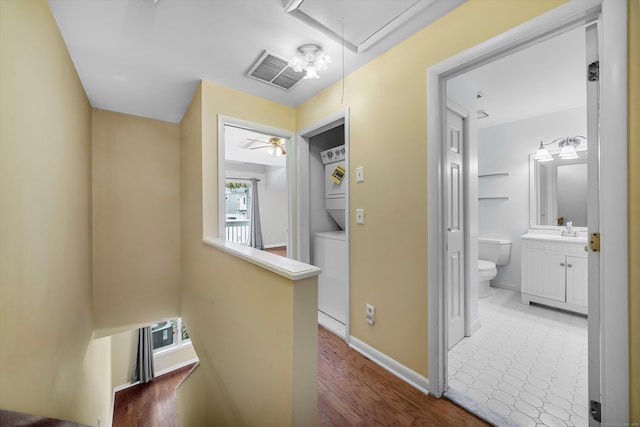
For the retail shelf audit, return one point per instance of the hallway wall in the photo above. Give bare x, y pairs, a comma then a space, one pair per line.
387, 100
49, 363
136, 220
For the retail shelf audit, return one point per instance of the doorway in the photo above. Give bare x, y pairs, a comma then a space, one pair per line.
254, 185
604, 362
323, 214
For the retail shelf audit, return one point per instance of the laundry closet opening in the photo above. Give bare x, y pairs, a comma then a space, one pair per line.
323, 219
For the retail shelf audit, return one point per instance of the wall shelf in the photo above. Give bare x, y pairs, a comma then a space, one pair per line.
484, 175
494, 198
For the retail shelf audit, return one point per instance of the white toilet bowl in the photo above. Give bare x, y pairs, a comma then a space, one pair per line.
487, 271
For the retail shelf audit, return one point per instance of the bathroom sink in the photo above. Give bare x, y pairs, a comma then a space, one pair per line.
555, 238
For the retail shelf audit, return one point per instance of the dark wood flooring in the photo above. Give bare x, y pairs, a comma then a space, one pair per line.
150, 404
280, 250
352, 391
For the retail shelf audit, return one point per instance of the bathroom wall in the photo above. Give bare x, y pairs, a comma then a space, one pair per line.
506, 148
274, 206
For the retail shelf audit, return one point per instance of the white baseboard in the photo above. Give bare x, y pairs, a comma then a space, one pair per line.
275, 245
475, 325
178, 366
391, 365
127, 385
508, 286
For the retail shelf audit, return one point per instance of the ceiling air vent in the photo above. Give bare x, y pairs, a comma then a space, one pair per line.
275, 71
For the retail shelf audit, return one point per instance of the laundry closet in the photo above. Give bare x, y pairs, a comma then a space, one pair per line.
328, 187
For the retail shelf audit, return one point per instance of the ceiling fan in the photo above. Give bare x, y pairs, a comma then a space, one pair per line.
274, 146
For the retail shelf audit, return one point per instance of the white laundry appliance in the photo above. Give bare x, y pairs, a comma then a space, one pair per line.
330, 254
335, 183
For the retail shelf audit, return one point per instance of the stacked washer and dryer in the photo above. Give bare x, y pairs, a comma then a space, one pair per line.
329, 247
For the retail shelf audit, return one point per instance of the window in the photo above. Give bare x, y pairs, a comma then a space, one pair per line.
165, 334
238, 210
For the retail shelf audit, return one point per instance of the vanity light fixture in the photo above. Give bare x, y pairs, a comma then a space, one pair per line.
311, 59
567, 149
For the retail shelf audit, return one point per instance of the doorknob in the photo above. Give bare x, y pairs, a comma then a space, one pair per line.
562, 264
449, 229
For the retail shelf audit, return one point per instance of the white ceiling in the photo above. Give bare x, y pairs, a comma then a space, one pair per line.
147, 59
238, 148
544, 78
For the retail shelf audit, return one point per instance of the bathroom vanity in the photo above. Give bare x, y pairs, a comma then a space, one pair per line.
554, 271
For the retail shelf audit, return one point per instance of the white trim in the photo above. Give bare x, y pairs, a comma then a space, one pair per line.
614, 215
475, 325
276, 245
285, 267
504, 285
256, 127
303, 226
173, 347
176, 367
396, 368
614, 300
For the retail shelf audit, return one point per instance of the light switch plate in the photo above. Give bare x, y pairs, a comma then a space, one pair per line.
360, 174
359, 216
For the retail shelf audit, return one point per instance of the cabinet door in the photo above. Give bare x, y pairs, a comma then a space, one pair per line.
577, 283
544, 275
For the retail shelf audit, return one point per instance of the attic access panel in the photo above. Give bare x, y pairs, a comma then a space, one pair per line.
366, 21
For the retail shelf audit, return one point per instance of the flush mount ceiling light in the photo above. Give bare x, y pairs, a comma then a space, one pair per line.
311, 59
567, 149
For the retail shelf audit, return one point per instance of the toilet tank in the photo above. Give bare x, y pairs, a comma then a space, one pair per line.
494, 250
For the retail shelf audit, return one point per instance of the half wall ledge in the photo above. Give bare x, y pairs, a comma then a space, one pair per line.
285, 267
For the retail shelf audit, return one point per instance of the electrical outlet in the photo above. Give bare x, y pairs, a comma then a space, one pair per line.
371, 314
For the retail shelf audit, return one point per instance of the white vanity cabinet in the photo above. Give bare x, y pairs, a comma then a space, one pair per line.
554, 272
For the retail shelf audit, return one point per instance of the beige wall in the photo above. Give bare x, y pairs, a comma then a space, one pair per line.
240, 316
49, 364
634, 208
387, 101
136, 220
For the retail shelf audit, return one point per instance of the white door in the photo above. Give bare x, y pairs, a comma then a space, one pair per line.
593, 220
454, 198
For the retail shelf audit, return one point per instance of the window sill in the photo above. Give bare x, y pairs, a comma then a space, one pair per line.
172, 348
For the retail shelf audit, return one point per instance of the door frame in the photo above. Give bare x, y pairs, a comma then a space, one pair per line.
302, 224
614, 319
290, 167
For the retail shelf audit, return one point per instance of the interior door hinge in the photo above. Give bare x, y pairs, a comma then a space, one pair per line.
594, 242
593, 71
595, 409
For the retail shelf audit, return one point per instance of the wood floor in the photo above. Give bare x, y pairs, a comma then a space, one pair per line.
280, 250
150, 404
352, 391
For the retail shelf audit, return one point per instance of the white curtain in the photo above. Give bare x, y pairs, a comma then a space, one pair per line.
255, 232
143, 363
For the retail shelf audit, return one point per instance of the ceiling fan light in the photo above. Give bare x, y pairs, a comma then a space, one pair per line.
311, 73
309, 59
271, 150
278, 151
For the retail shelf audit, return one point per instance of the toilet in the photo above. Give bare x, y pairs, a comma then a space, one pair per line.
492, 252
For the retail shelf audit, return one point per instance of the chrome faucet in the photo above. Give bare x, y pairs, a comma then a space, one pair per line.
569, 231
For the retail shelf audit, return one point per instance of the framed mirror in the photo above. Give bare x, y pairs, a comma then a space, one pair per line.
558, 192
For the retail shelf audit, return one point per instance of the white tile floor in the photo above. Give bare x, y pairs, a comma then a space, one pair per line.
526, 362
